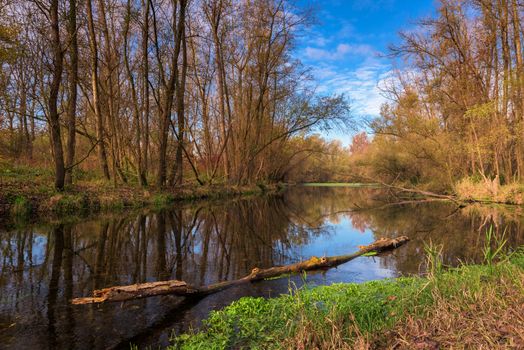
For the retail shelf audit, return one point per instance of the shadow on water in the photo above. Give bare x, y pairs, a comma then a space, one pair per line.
44, 266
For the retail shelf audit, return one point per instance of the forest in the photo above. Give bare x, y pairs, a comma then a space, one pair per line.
160, 92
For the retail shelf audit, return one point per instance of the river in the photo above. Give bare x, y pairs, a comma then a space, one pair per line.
45, 264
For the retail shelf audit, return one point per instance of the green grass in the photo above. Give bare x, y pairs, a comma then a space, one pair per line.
340, 315
258, 323
10, 171
162, 199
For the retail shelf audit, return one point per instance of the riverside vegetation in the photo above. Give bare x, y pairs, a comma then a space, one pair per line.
111, 104
27, 193
476, 306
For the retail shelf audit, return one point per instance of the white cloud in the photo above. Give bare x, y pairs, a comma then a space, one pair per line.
373, 5
320, 41
361, 85
347, 30
342, 51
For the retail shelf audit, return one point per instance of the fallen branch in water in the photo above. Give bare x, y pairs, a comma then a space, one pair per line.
415, 191
181, 288
424, 193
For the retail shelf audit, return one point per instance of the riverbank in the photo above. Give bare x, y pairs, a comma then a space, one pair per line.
27, 193
477, 306
465, 191
490, 192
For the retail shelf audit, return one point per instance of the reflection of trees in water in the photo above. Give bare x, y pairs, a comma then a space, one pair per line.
200, 245
316, 205
211, 243
460, 231
316, 209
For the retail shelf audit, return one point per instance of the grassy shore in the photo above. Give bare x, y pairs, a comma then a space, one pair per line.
470, 190
27, 192
477, 307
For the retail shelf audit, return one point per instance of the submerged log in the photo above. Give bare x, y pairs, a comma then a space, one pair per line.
181, 288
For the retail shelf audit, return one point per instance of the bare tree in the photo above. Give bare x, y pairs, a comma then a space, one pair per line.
54, 117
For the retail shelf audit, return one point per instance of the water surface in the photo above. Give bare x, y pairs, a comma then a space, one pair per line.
42, 266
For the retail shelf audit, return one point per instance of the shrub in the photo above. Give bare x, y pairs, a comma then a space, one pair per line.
21, 207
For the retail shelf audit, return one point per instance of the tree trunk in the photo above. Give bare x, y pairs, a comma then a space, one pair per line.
72, 92
145, 95
177, 172
214, 15
134, 98
54, 122
110, 96
169, 90
23, 118
102, 154
519, 82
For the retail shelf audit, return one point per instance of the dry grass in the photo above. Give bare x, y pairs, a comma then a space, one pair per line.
493, 318
490, 191
332, 335
489, 318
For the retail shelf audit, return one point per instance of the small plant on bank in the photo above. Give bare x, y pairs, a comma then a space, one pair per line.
434, 263
493, 247
160, 200
21, 207
262, 186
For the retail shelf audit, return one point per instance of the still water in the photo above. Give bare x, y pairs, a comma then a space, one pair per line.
42, 266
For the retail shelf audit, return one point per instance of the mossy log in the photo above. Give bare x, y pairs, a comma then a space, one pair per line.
181, 288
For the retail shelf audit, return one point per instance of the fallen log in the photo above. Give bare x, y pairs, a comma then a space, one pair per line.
181, 288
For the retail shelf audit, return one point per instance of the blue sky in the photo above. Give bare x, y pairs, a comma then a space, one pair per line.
344, 48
